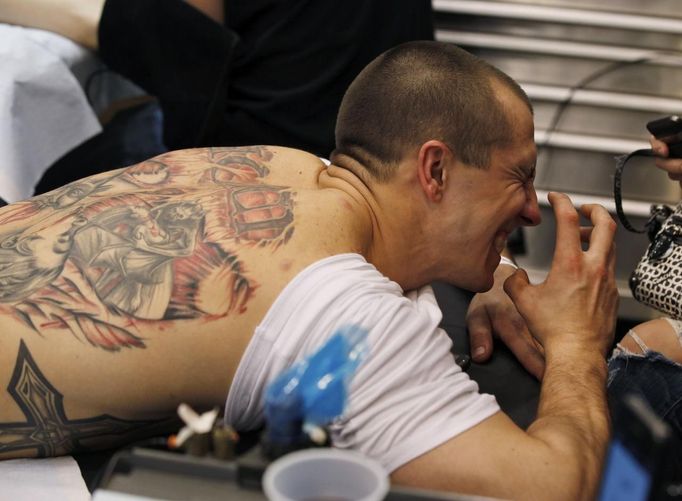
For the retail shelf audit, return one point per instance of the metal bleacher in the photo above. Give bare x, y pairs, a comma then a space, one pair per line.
596, 73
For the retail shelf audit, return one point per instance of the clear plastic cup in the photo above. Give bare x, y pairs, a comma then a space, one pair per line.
325, 475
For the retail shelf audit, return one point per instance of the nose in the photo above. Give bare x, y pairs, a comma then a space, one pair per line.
530, 214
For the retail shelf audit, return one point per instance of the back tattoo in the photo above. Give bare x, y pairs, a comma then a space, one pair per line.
152, 242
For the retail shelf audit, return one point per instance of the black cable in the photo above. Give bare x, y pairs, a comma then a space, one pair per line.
600, 72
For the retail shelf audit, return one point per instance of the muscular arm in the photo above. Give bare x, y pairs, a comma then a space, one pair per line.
572, 314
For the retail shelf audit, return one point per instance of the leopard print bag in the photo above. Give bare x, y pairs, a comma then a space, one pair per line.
657, 278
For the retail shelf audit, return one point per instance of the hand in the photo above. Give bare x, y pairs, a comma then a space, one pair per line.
673, 166
493, 314
74, 19
574, 309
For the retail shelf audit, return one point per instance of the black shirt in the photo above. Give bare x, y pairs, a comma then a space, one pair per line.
274, 74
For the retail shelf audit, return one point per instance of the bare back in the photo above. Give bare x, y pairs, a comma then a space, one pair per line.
126, 293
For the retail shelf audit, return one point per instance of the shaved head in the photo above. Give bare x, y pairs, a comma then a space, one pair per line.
420, 91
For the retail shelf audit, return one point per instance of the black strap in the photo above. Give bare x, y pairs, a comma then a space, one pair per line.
620, 165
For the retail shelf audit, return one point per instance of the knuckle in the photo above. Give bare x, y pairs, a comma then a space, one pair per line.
611, 223
609, 228
570, 215
601, 271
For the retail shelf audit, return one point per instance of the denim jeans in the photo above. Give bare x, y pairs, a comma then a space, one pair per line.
658, 381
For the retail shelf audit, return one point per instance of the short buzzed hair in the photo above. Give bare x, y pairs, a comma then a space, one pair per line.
419, 91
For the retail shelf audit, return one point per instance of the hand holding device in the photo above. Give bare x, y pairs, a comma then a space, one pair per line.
669, 130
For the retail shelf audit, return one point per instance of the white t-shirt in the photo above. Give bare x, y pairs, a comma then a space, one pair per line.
407, 397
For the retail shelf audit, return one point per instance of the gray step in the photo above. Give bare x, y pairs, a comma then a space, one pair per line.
662, 8
567, 13
557, 63
584, 142
602, 99
589, 173
555, 47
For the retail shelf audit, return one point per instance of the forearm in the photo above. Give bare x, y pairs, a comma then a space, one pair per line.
573, 419
572, 313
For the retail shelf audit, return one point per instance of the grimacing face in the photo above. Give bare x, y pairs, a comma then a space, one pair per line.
491, 203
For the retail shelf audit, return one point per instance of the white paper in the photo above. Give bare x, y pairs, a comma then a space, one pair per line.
42, 479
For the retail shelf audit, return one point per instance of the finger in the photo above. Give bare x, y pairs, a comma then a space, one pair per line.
585, 233
603, 230
611, 260
567, 226
515, 284
480, 334
670, 165
659, 147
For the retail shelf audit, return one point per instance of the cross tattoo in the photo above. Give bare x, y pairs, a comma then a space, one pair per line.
47, 428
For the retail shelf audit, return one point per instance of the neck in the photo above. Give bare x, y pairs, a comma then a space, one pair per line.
394, 238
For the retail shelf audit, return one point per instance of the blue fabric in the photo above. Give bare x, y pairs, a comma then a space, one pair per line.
657, 380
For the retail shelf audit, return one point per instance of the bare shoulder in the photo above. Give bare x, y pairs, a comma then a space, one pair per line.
244, 164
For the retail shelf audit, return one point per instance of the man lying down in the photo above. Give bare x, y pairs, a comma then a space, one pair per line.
197, 276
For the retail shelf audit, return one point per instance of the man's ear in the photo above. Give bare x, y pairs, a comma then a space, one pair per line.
431, 161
